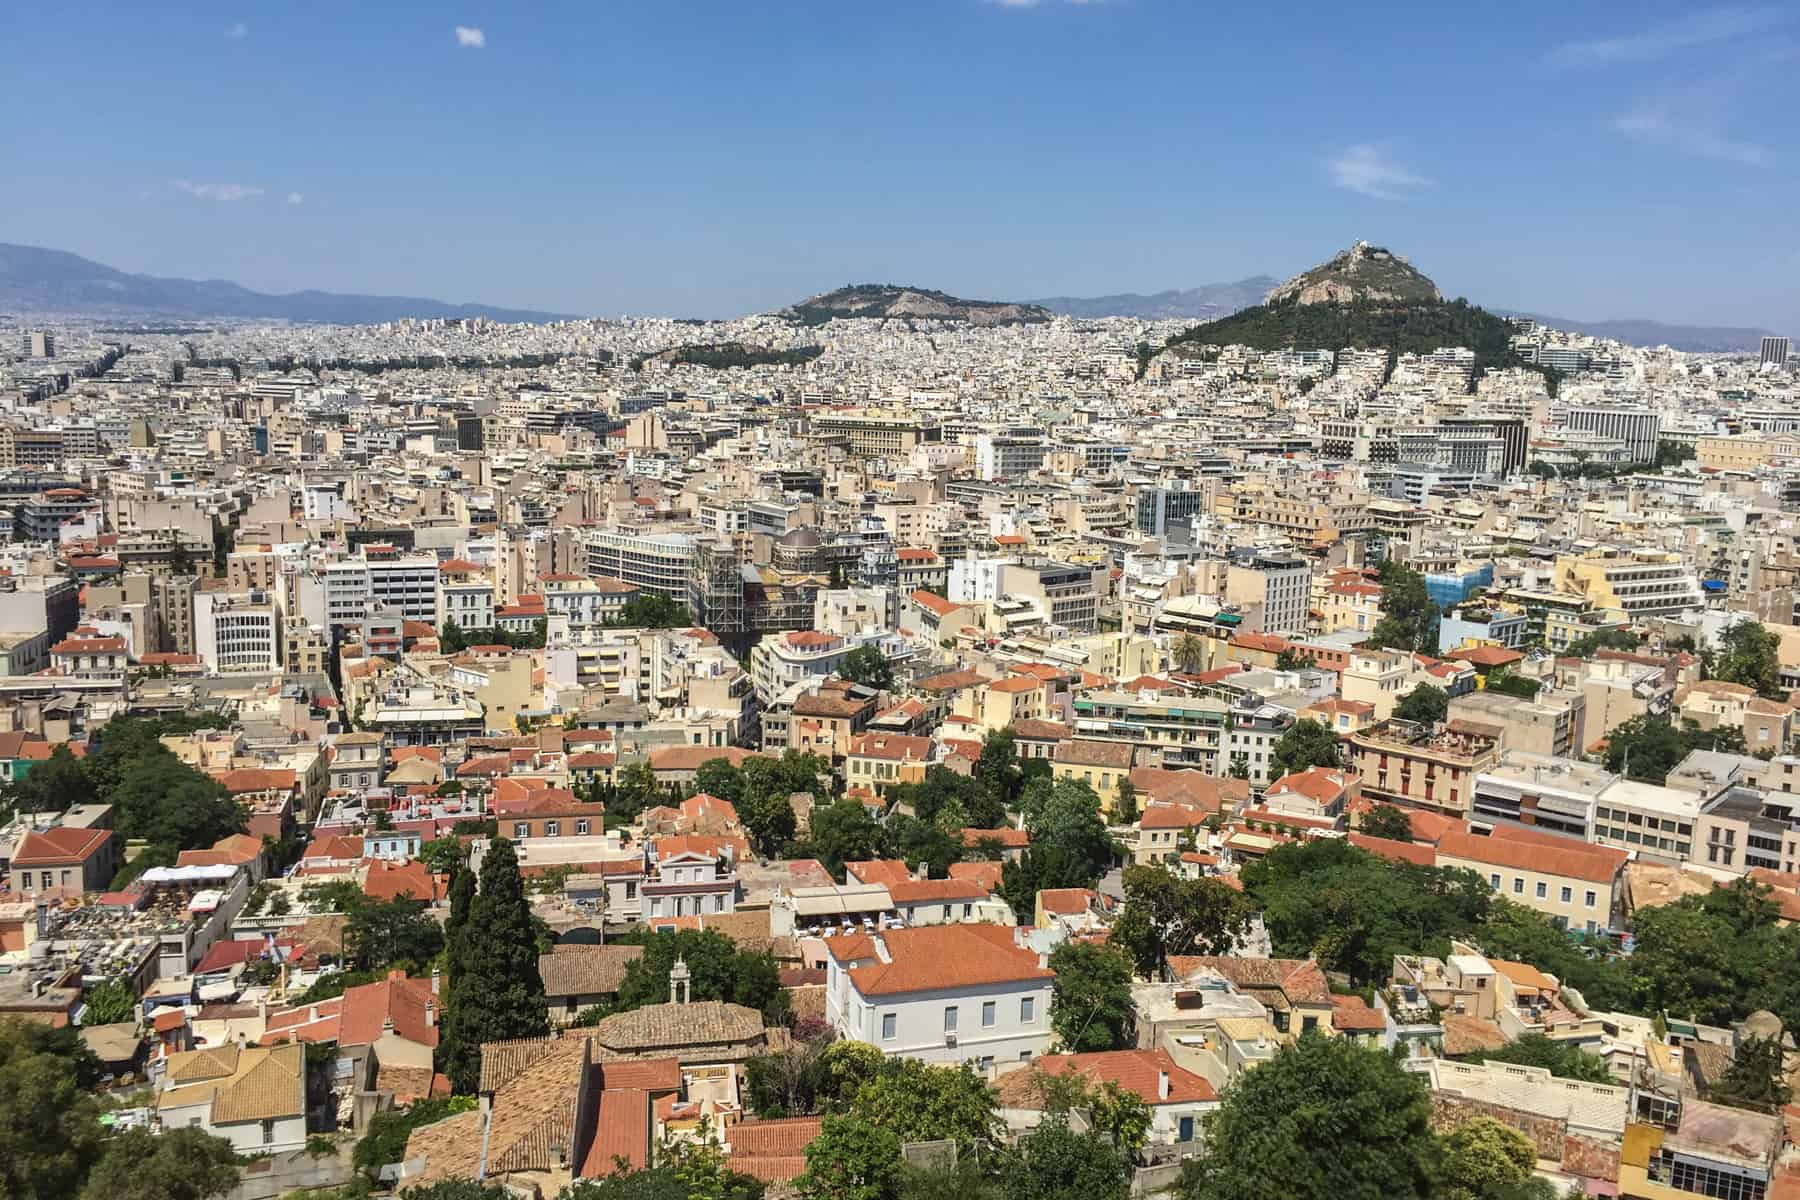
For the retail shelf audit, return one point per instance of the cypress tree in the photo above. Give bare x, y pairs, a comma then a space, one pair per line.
497, 993
462, 898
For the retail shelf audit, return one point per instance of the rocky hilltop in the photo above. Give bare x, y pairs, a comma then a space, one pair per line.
887, 301
1363, 272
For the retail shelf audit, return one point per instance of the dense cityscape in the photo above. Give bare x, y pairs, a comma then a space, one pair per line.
855, 753
976, 600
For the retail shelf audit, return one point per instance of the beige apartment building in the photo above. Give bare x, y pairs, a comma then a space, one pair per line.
1404, 763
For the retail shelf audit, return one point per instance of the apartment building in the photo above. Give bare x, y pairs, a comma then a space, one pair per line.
1280, 585
1184, 732
238, 631
1578, 886
660, 563
1642, 583
1404, 763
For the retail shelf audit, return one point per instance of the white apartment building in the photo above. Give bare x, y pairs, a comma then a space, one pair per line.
237, 632
1659, 821
655, 562
781, 660
467, 599
956, 993
355, 587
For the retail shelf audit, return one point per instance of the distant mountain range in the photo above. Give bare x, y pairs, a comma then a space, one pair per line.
34, 279
1694, 338
1205, 302
889, 301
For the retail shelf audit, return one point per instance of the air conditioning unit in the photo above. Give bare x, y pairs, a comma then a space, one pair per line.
949, 1039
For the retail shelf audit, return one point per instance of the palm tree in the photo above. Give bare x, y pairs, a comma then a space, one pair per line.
1190, 653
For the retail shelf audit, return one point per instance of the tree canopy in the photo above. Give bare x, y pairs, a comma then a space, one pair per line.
717, 969
1386, 821
868, 666
1427, 704
1324, 1119
1750, 655
1090, 1000
1305, 744
1165, 915
497, 994
1409, 620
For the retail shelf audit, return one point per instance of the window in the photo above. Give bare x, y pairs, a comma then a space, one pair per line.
1186, 1130
268, 1132
889, 1026
950, 1018
1568, 894
1518, 886
946, 912
968, 911
987, 1014
581, 828
521, 829
552, 828
1027, 1007
1543, 889
1590, 899
1494, 882
719, 903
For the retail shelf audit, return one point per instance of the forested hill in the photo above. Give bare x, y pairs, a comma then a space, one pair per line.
1400, 327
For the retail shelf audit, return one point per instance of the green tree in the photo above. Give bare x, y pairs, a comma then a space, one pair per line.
1291, 659
647, 610
1166, 915
851, 1159
768, 821
1125, 802
456, 924
717, 970
1755, 1079
997, 771
399, 932
1409, 620
1090, 1000
1070, 821
918, 1102
1426, 704
178, 1164
1189, 653
868, 666
964, 1179
717, 777
1749, 655
1322, 1120
1484, 1159
1559, 1058
111, 1003
1305, 744
635, 791
49, 1128
1386, 821
498, 994
444, 855
844, 832
1590, 644
451, 639
54, 785
1053, 1162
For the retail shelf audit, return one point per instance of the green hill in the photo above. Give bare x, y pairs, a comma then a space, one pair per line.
721, 356
1399, 327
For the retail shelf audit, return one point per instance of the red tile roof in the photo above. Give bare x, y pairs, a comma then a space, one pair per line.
936, 957
1137, 1071
62, 846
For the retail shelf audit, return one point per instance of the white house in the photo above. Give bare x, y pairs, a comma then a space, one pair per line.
1178, 1098
688, 876
252, 1096
943, 993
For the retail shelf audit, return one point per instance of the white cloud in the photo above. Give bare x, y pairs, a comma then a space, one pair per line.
1367, 169
1661, 41
223, 192
1655, 128
238, 31
295, 198
470, 38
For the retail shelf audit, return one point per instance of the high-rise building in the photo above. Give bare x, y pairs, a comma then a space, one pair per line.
39, 343
1775, 351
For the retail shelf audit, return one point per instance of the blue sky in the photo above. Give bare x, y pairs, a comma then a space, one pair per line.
610, 156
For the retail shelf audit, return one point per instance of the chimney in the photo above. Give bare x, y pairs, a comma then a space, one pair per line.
431, 1012
435, 976
1162, 1085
